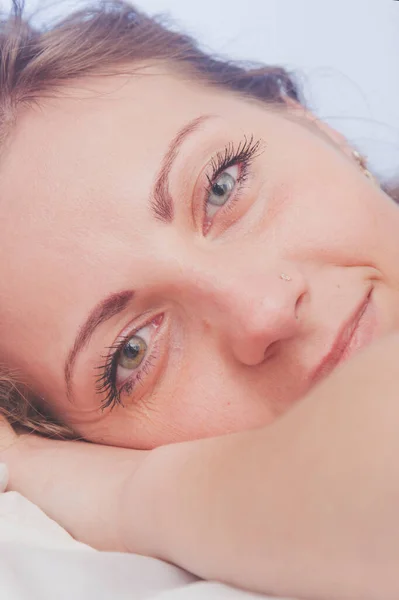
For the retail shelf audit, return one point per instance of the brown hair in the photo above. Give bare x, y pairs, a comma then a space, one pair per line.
102, 40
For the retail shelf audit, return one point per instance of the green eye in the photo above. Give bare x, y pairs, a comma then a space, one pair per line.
221, 190
133, 353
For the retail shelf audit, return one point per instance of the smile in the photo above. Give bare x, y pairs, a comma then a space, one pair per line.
355, 334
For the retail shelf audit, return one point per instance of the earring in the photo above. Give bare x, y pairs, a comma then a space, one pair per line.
362, 162
285, 277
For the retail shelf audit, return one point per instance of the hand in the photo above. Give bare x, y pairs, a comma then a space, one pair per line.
78, 484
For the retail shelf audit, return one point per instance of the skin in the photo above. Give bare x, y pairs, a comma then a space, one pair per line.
237, 342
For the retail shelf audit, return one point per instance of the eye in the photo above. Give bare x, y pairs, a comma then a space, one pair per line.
131, 356
221, 190
133, 353
133, 360
229, 170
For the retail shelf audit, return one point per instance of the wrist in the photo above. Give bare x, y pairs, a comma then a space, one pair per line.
77, 484
21, 457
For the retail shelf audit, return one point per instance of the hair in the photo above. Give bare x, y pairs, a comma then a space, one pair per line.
103, 39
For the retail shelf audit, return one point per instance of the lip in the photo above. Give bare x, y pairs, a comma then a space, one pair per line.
356, 333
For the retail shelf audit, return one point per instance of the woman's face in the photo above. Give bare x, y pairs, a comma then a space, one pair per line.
185, 258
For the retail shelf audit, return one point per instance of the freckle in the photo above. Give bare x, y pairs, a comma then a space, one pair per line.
207, 326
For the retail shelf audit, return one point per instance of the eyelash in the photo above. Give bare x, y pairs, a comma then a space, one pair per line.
106, 385
242, 155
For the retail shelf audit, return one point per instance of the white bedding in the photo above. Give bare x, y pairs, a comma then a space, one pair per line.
40, 561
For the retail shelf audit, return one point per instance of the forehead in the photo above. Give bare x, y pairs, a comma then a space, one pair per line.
78, 147
92, 128
97, 146
78, 162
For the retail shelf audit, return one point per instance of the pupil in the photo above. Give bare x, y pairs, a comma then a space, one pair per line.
219, 190
131, 350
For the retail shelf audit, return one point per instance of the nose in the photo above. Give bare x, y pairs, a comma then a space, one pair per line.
257, 312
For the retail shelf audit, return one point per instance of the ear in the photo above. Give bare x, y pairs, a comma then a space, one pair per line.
308, 119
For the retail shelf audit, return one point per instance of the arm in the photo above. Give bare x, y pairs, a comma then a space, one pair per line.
78, 484
307, 506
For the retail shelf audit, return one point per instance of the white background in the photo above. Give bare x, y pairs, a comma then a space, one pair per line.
346, 53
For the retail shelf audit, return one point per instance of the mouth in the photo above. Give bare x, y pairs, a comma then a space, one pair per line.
355, 334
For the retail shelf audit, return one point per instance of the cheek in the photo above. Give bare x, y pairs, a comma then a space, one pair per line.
196, 409
217, 408
345, 223
210, 397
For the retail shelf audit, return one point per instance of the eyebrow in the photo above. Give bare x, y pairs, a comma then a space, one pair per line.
162, 205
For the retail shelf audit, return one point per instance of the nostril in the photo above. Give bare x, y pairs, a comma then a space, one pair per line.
270, 351
298, 304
